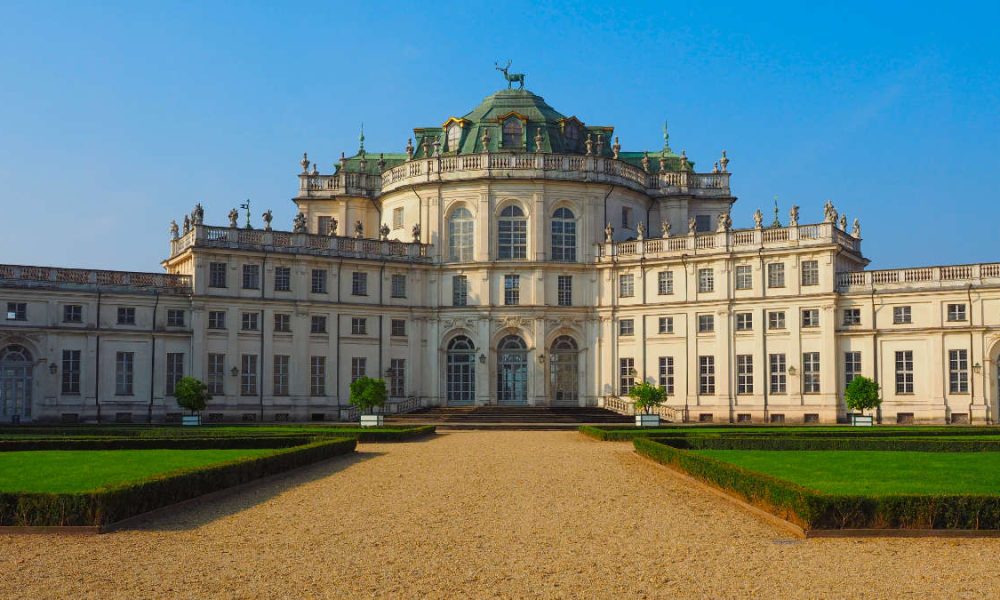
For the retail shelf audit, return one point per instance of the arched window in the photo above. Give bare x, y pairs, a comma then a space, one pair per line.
564, 371
512, 371
512, 241
454, 137
15, 383
461, 375
564, 235
512, 133
460, 235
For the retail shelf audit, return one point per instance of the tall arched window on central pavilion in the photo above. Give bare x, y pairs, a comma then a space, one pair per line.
461, 372
460, 235
454, 137
512, 238
564, 235
512, 133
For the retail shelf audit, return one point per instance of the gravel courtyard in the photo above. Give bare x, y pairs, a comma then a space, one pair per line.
484, 514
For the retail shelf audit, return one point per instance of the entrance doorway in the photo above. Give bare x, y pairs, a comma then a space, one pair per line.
563, 372
15, 383
512, 371
461, 372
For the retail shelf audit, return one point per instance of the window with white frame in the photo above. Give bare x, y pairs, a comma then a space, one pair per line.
175, 317
810, 317
744, 373
460, 227
317, 324
706, 280
776, 275
251, 277
563, 235
317, 375
513, 133
454, 138
282, 323
776, 319
626, 327
958, 371
511, 290
124, 373
744, 321
810, 272
666, 325
216, 319
216, 374
778, 368
71, 372
359, 368
280, 374
512, 238
564, 290
810, 372
852, 366
901, 315
250, 321
282, 279
359, 283
217, 274
626, 285
397, 217
248, 375
397, 328
626, 375
398, 285
706, 375
904, 372
665, 283
852, 316
459, 290
175, 370
318, 281
744, 277
359, 326
73, 313
667, 374
706, 323
397, 377
956, 312
126, 314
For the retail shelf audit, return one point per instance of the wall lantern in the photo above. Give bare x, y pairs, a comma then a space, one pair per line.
482, 358
792, 371
53, 368
977, 368
235, 371
541, 359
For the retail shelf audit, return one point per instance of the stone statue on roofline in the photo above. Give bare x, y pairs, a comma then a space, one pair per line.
843, 222
198, 214
486, 139
589, 143
793, 216
692, 226
416, 233
173, 230
616, 148
829, 213
758, 219
600, 144
187, 224
383, 232
299, 223
268, 217
640, 231
684, 160
538, 140
724, 224
665, 228
331, 229
359, 229
609, 233
409, 148
234, 215
305, 163
856, 229
645, 161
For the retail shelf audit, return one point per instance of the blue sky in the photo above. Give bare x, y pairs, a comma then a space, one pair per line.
117, 117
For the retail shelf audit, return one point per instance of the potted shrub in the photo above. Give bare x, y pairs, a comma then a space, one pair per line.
645, 397
861, 395
193, 395
367, 393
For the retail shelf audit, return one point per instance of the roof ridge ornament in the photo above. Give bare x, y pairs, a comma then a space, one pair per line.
666, 139
510, 77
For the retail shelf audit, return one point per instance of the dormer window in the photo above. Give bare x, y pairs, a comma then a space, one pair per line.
512, 133
572, 136
454, 137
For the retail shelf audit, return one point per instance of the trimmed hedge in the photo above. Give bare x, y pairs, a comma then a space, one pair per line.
380, 434
109, 505
812, 509
186, 443
396, 435
618, 433
693, 442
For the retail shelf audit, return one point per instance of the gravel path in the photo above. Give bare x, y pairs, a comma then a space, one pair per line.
484, 514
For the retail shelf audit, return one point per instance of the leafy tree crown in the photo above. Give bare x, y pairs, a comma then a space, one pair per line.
647, 396
862, 394
367, 393
192, 394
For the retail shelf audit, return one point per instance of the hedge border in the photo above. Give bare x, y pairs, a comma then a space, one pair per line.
826, 443
186, 443
106, 506
811, 509
618, 434
206, 433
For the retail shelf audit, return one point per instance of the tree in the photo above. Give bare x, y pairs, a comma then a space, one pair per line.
862, 394
647, 396
367, 393
192, 394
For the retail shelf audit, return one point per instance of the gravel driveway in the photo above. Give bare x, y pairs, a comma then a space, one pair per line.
484, 514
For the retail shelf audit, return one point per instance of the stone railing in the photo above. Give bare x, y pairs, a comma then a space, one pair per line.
206, 236
17, 275
732, 240
560, 167
624, 406
919, 277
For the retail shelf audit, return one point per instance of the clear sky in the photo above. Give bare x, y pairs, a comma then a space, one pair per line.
117, 117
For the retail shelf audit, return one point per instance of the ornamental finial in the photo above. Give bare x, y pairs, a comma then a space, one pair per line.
305, 163
724, 162
361, 140
666, 139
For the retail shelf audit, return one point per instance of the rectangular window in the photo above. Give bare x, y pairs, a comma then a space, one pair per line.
397, 377
958, 371
126, 315
398, 286
217, 275
901, 315
323, 225
248, 375
397, 218
626, 327
810, 372
124, 373
216, 374
810, 272
251, 277
744, 321
667, 374
810, 317
626, 217
776, 275
778, 367
359, 326
282, 323
744, 373
904, 372
626, 375
216, 319
359, 284
175, 318
280, 374
666, 325
776, 319
852, 316
703, 223
852, 366
317, 375
282, 279
358, 368
744, 277
665, 283
249, 321
71, 372
706, 323
706, 374
175, 370
397, 328
956, 312
564, 290
626, 286
706, 280
318, 283
511, 290
317, 324
72, 313
459, 290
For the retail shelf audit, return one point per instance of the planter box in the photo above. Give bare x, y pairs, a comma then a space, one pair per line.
372, 420
862, 420
191, 420
647, 420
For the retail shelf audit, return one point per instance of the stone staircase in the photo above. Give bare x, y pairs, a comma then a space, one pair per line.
512, 417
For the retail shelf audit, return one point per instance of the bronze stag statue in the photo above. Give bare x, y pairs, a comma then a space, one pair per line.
511, 77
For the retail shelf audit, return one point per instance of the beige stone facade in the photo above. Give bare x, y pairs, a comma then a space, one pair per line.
510, 256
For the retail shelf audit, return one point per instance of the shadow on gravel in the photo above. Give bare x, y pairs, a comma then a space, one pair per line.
200, 511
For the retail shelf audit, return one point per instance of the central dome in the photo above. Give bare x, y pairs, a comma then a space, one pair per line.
523, 102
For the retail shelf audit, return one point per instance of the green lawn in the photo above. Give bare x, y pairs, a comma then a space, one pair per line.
874, 472
84, 470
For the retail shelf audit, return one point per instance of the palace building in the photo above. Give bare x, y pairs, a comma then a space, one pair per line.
510, 256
